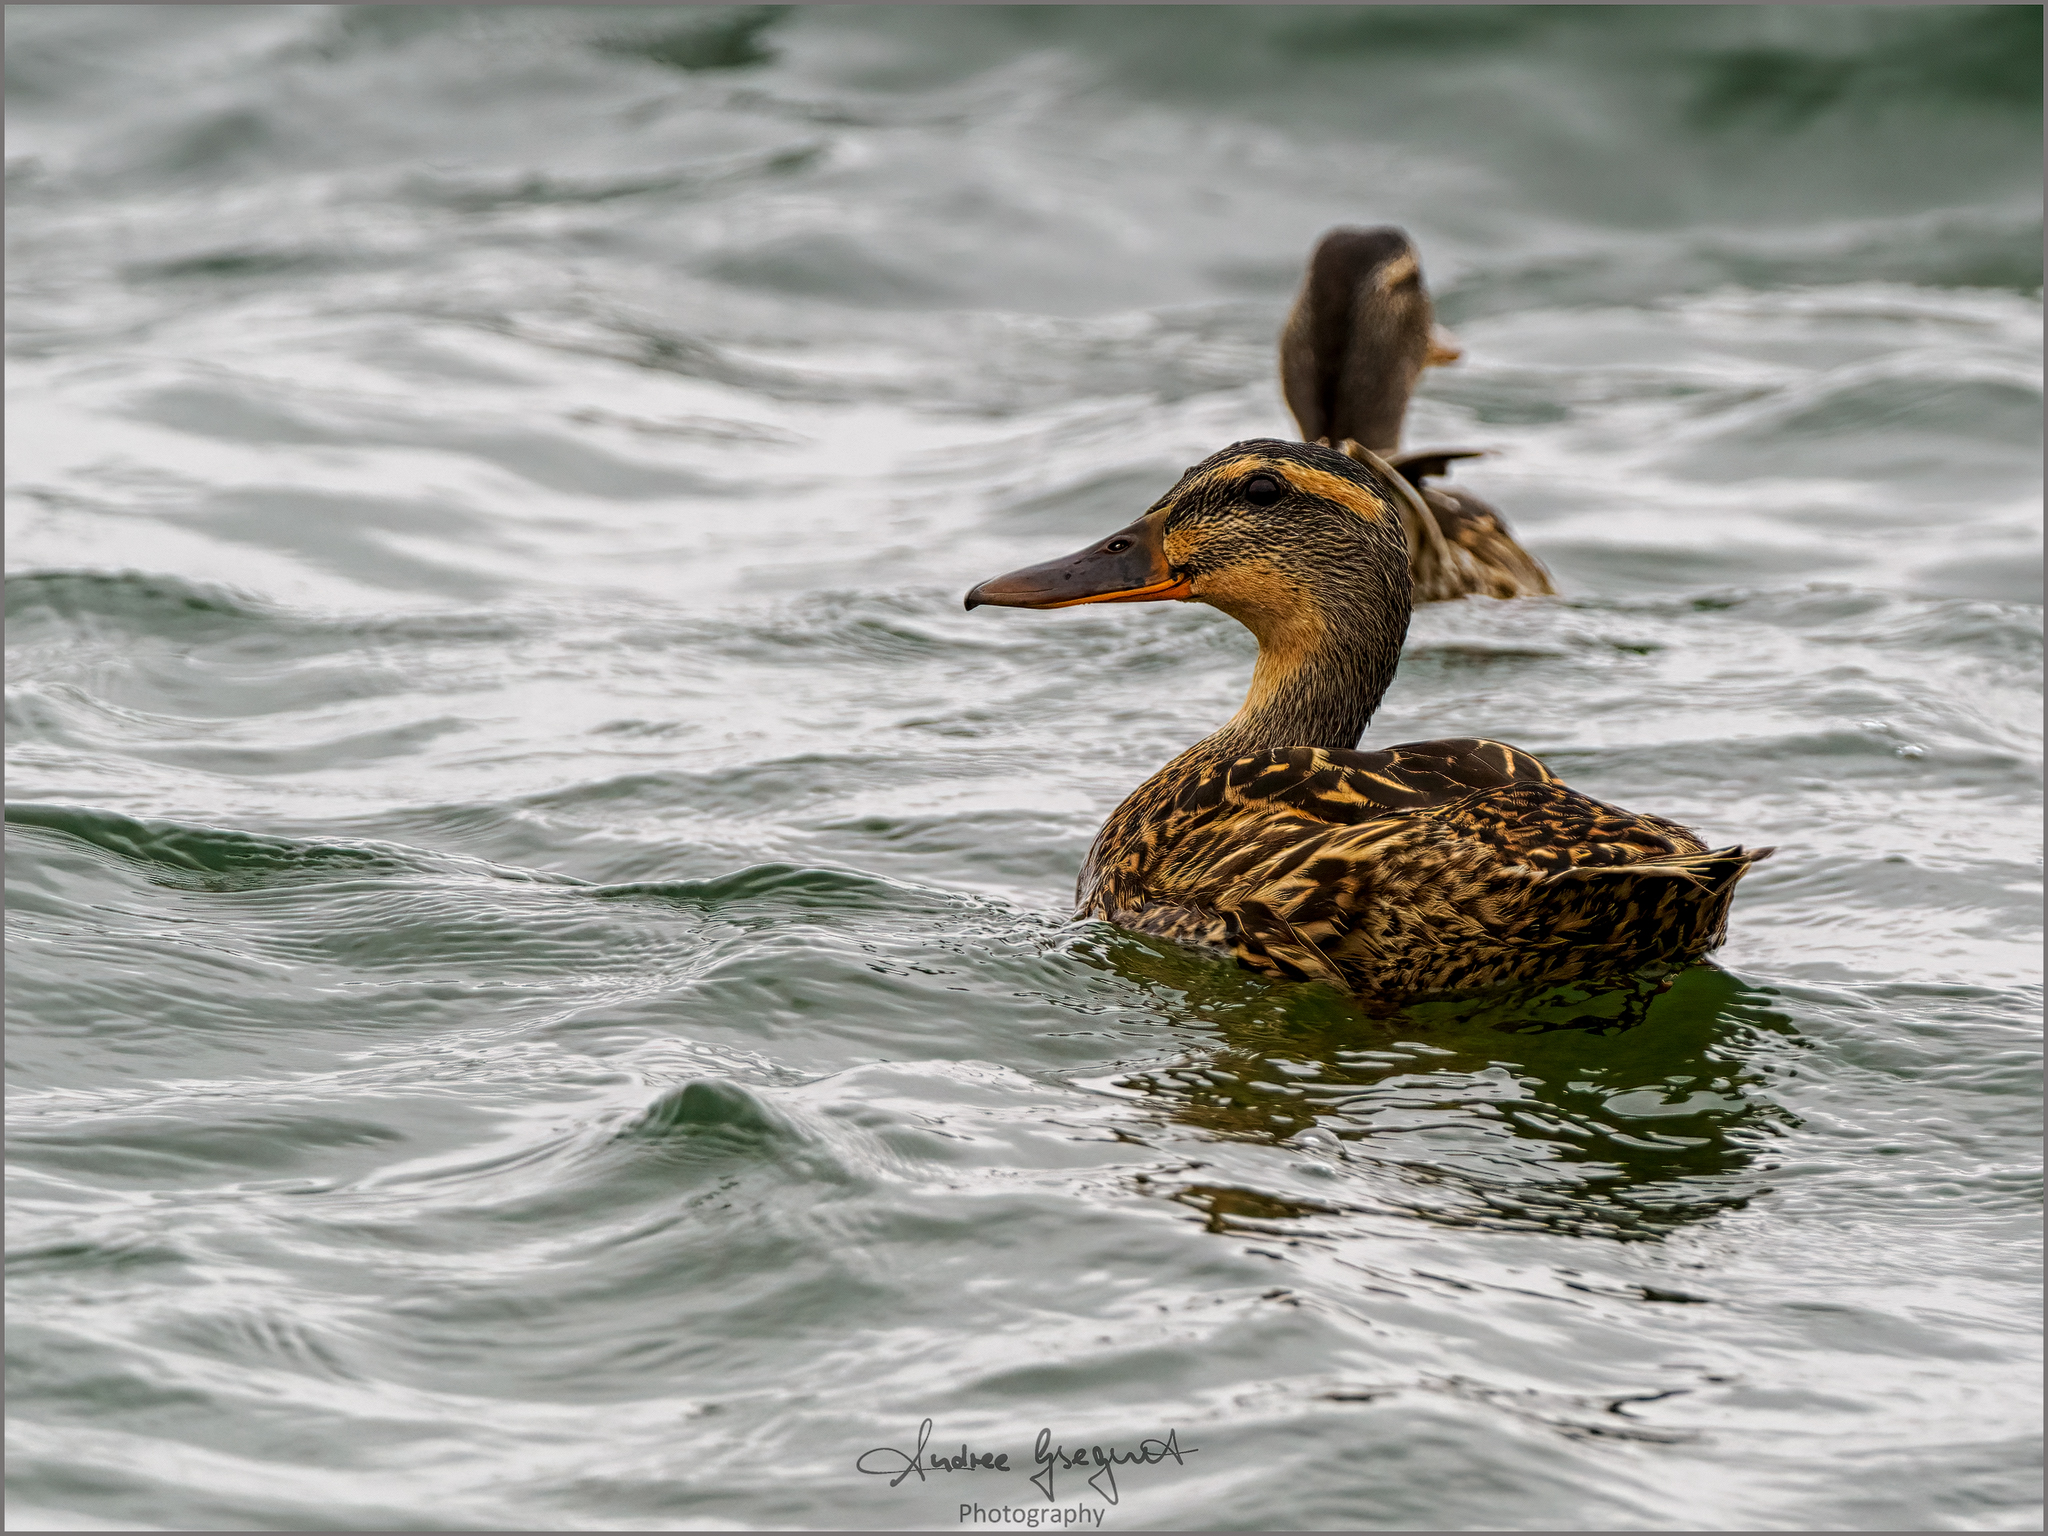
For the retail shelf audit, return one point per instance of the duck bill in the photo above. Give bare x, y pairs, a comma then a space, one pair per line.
1127, 567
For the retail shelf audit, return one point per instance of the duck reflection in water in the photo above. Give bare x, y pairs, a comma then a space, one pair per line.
1623, 1113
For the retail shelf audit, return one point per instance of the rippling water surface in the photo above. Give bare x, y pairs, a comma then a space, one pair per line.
541, 985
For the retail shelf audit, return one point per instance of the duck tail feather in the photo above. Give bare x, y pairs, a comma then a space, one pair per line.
1714, 870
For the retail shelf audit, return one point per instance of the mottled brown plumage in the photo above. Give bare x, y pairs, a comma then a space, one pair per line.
1433, 869
1354, 345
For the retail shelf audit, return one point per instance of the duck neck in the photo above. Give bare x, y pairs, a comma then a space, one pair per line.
1320, 675
1375, 375
1372, 412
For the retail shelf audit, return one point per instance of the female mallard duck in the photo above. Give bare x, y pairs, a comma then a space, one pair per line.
1359, 337
1435, 869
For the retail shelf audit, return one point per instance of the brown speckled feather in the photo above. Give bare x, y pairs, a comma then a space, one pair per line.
1430, 869
1495, 564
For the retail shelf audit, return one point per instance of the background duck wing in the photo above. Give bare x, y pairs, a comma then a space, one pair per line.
1501, 566
1476, 553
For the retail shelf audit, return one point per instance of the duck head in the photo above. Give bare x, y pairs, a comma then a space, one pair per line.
1359, 336
1301, 544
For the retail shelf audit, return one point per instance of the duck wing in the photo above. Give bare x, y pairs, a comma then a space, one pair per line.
1342, 787
1425, 869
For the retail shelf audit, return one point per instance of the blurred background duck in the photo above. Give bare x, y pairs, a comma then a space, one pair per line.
1359, 336
1434, 869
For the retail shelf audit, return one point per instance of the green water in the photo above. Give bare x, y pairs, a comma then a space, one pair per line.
540, 984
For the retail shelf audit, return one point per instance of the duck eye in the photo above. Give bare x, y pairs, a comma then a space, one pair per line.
1117, 546
1262, 490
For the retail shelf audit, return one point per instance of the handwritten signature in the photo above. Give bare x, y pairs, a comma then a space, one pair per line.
1050, 1458
920, 1463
